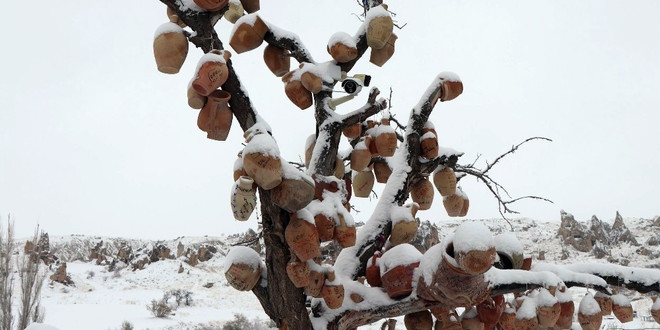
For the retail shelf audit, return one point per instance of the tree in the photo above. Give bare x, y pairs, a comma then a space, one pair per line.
454, 274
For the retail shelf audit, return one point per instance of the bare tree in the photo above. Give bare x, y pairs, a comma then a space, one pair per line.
449, 276
6, 276
32, 277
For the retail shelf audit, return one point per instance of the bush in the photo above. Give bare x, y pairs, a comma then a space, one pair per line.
180, 296
159, 308
126, 326
240, 322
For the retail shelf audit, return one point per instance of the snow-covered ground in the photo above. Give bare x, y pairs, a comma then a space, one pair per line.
102, 299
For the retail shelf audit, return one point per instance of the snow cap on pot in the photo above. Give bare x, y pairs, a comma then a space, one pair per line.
526, 315
474, 247
589, 313
170, 46
379, 26
404, 225
397, 266
342, 47
622, 308
248, 33
261, 158
243, 268
211, 72
510, 250
549, 308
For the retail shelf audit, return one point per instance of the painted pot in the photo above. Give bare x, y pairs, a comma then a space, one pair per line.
363, 183
422, 194
325, 226
429, 145
379, 30
293, 194
403, 231
315, 286
445, 181
360, 156
344, 234
333, 294
565, 320
302, 238
243, 277
386, 140
212, 72
215, 118
372, 273
382, 171
243, 198
398, 280
549, 315
298, 272
453, 205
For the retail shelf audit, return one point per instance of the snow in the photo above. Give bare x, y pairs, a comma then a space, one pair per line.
242, 255
430, 261
310, 140
342, 37
472, 236
656, 305
620, 300
567, 275
563, 296
469, 313
545, 298
305, 215
210, 57
263, 144
40, 326
508, 244
527, 310
635, 274
291, 172
427, 135
401, 214
448, 76
238, 164
402, 254
376, 12
167, 28
589, 305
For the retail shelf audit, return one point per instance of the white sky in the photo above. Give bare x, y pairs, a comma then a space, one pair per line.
94, 140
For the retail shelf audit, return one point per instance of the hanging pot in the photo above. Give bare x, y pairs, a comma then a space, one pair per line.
453, 205
363, 182
379, 28
342, 47
212, 5
248, 33
243, 277
429, 145
344, 234
352, 131
176, 20
277, 60
490, 310
565, 320
604, 302
297, 94
622, 308
360, 156
243, 198
588, 315
195, 100
325, 226
316, 282
549, 315
170, 47
445, 181
212, 72
311, 82
264, 168
382, 171
422, 320
507, 320
398, 280
403, 230
302, 238
386, 140
234, 12
380, 56
372, 273
293, 194
215, 117
333, 293
422, 194
298, 272
466, 205
250, 5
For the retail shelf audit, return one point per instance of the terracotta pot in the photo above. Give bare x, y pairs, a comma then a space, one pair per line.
466, 206
302, 238
243, 198
176, 19
476, 261
363, 182
549, 315
298, 272
250, 5
380, 56
238, 169
527, 324
342, 52
293, 194
264, 169
373, 272
451, 90
655, 313
472, 323
422, 194
527, 263
195, 100
422, 320
345, 235
325, 226
243, 277
297, 94
489, 311
382, 171
398, 280
333, 294
248, 33
386, 140
212, 72
445, 181
371, 143
379, 30
622, 309
170, 47
590, 322
360, 156
234, 12
316, 282
429, 145
453, 205
507, 320
403, 231
565, 320
212, 5
605, 303
311, 82
215, 117
277, 60
352, 131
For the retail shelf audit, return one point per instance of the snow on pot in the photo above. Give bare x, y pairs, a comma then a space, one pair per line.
422, 194
454, 203
565, 320
261, 158
342, 47
589, 313
507, 320
363, 182
333, 291
386, 140
243, 267
450, 87
176, 19
422, 320
604, 302
298, 272
445, 181
324, 219
404, 225
170, 46
248, 33
429, 145
301, 235
211, 72
379, 26
238, 167
195, 100
311, 82
474, 248
316, 280
215, 118
243, 198
489, 311
382, 170
526, 318
278, 60
234, 12
296, 92
295, 191
510, 251
397, 266
372, 273
470, 319
380, 56
360, 156
345, 232
622, 308
549, 308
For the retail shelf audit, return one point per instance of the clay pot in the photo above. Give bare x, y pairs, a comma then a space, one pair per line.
215, 117
371, 143
655, 313
445, 181
379, 30
565, 320
453, 205
265, 169
195, 100
363, 182
212, 5
325, 226
315, 286
360, 156
293, 194
398, 280
176, 19
342, 53
372, 272
451, 90
277, 60
403, 231
604, 302
298, 272
548, 315
311, 82
297, 93
170, 47
507, 320
622, 309
352, 131
527, 324
429, 145
471, 322
345, 235
380, 56
422, 320
422, 194
302, 238
489, 310
590, 322
250, 5
386, 140
382, 171
333, 294
527, 263
243, 277
243, 198
476, 261
466, 206
212, 72
248, 33
234, 12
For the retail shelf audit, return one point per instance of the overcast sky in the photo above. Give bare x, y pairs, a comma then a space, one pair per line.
94, 140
